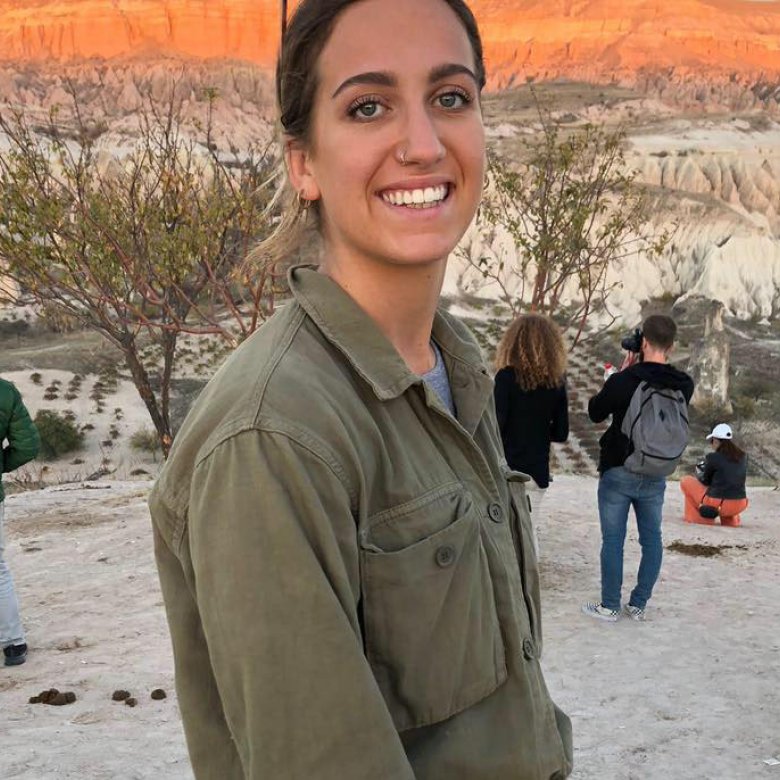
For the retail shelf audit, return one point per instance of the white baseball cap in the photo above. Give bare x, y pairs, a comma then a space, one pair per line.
721, 431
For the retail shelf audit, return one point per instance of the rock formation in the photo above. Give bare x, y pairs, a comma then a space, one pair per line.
700, 50
85, 29
631, 39
720, 182
715, 188
710, 360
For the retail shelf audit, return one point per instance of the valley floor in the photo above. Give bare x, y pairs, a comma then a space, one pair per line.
691, 694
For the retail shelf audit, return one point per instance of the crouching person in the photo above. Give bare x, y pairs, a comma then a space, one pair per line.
718, 489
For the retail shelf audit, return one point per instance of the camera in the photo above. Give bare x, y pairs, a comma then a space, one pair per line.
633, 343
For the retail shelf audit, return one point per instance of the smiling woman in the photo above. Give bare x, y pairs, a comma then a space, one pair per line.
345, 558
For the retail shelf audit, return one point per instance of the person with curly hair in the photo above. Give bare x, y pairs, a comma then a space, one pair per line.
531, 401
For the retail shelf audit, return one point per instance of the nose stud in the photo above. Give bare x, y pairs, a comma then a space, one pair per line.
402, 157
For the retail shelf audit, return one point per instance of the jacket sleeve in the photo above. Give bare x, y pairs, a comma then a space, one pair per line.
559, 428
710, 467
24, 442
688, 390
603, 403
501, 390
271, 672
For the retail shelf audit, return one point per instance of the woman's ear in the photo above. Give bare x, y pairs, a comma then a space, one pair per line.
299, 168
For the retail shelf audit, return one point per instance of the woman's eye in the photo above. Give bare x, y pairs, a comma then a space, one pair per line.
369, 109
452, 100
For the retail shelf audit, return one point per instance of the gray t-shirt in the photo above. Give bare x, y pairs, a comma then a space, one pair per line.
438, 379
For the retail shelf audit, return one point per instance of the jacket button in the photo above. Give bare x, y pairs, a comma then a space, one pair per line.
529, 651
495, 512
445, 556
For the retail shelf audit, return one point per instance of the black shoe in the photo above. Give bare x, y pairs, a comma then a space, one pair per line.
15, 655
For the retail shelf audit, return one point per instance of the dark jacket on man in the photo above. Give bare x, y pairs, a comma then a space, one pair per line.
724, 477
17, 429
615, 397
529, 420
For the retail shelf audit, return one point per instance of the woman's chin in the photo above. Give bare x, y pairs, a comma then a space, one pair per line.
420, 251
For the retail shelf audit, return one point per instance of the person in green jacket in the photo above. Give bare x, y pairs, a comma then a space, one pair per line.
20, 445
345, 558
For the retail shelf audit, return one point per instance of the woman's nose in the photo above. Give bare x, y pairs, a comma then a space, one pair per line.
421, 142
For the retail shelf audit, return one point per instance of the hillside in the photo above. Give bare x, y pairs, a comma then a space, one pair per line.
732, 46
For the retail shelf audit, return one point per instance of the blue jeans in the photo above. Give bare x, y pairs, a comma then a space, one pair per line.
10, 626
619, 490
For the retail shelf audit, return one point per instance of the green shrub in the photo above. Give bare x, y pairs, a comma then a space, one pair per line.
59, 435
744, 406
145, 440
754, 386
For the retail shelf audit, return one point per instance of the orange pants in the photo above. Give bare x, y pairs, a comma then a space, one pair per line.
694, 491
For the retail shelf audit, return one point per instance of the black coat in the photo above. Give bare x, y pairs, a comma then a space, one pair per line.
529, 421
724, 478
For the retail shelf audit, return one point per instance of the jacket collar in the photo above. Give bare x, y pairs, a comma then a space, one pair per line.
375, 359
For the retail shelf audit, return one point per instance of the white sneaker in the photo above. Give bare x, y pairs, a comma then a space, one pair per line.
635, 613
600, 612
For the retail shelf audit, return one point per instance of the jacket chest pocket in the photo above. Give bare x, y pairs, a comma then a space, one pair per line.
523, 536
431, 629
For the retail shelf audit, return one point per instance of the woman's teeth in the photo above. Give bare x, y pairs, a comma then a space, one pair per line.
417, 199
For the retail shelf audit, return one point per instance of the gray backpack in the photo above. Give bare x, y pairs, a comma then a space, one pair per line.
656, 424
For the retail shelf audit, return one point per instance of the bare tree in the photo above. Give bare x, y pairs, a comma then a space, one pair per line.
570, 209
142, 247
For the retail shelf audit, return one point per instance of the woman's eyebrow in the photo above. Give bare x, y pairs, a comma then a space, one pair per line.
376, 78
452, 69
385, 79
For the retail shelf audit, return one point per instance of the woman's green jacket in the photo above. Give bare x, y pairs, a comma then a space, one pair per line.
348, 569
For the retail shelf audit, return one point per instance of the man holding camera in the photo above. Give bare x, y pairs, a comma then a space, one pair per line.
648, 402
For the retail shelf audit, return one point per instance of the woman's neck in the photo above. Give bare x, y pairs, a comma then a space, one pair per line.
400, 299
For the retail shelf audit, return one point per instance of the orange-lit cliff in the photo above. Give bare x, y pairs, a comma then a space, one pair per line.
592, 39
82, 29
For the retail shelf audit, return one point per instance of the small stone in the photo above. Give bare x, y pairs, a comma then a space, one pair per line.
70, 697
120, 695
46, 696
131, 702
35, 700
159, 693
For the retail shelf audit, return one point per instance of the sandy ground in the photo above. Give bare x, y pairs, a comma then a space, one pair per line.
123, 412
692, 693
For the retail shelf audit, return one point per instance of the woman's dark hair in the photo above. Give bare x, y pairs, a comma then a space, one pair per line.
303, 42
660, 331
304, 39
730, 450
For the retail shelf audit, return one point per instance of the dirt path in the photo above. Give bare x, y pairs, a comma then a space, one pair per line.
690, 695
